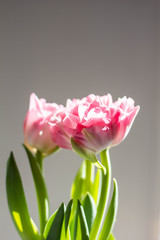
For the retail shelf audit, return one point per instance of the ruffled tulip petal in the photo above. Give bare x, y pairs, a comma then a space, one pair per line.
36, 126
102, 122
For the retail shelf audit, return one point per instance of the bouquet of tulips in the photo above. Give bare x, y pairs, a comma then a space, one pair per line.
87, 126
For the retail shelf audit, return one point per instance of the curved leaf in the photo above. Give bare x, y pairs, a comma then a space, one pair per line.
111, 214
55, 230
78, 186
67, 214
42, 196
49, 224
89, 209
96, 189
77, 192
111, 237
65, 235
83, 222
75, 225
17, 202
89, 175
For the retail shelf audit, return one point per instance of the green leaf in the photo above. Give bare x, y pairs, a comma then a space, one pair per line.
83, 222
42, 196
111, 215
55, 230
65, 236
67, 214
49, 224
78, 191
97, 185
85, 153
111, 237
79, 228
82, 183
65, 231
78, 186
17, 202
89, 175
89, 209
75, 225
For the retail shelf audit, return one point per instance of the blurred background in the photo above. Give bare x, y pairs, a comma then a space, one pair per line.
69, 49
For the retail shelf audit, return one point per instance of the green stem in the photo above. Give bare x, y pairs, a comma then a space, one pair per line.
89, 178
39, 158
42, 197
104, 196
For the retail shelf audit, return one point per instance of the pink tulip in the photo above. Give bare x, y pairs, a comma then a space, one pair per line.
36, 127
62, 127
95, 122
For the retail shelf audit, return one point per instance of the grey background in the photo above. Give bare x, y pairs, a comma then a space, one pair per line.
66, 49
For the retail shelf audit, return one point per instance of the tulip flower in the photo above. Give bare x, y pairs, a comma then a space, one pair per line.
103, 123
36, 127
